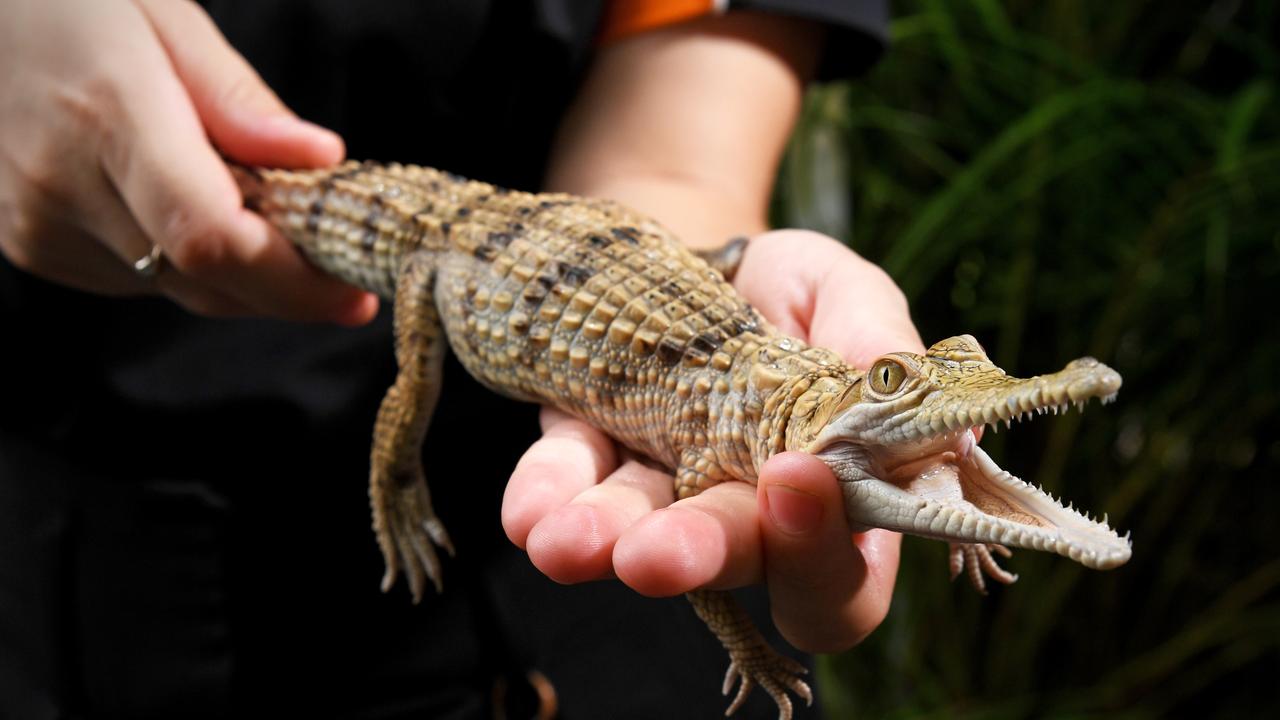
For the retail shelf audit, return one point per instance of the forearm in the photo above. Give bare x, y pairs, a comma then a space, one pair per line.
687, 124
701, 216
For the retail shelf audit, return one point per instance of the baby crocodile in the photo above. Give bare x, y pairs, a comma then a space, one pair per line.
590, 307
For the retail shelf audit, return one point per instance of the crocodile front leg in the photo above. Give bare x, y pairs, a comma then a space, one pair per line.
404, 521
751, 659
976, 560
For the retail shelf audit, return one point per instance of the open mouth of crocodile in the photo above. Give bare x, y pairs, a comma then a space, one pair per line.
933, 480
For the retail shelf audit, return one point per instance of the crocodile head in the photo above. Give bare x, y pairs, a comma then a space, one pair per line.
900, 441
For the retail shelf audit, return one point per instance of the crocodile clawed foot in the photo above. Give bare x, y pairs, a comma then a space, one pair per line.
775, 673
976, 561
408, 534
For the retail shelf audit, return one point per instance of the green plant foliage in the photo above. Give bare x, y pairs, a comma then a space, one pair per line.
1062, 179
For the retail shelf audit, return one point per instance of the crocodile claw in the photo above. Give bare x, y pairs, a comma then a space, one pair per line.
408, 534
977, 561
771, 671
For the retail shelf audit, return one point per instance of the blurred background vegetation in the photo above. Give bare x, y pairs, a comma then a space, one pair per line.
1060, 179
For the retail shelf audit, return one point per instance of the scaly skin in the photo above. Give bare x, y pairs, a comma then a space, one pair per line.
587, 306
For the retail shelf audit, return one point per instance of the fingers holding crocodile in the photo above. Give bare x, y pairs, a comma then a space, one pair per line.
575, 543
710, 540
569, 458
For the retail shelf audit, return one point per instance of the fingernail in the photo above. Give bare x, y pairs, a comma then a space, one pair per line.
794, 512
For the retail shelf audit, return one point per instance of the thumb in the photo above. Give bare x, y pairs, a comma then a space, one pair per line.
243, 117
826, 593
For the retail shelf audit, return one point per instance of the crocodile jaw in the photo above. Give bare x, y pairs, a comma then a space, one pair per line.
909, 462
959, 494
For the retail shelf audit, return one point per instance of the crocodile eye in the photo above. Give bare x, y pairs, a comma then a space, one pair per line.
886, 377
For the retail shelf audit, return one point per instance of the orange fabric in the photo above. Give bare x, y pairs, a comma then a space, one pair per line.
628, 17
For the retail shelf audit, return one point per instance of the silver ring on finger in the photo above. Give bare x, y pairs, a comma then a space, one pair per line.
148, 265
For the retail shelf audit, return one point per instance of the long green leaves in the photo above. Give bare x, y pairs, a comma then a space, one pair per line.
1064, 179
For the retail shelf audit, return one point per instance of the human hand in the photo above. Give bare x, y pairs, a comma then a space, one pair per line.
110, 111
585, 509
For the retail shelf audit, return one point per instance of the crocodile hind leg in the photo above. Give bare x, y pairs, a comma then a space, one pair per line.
404, 521
752, 661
